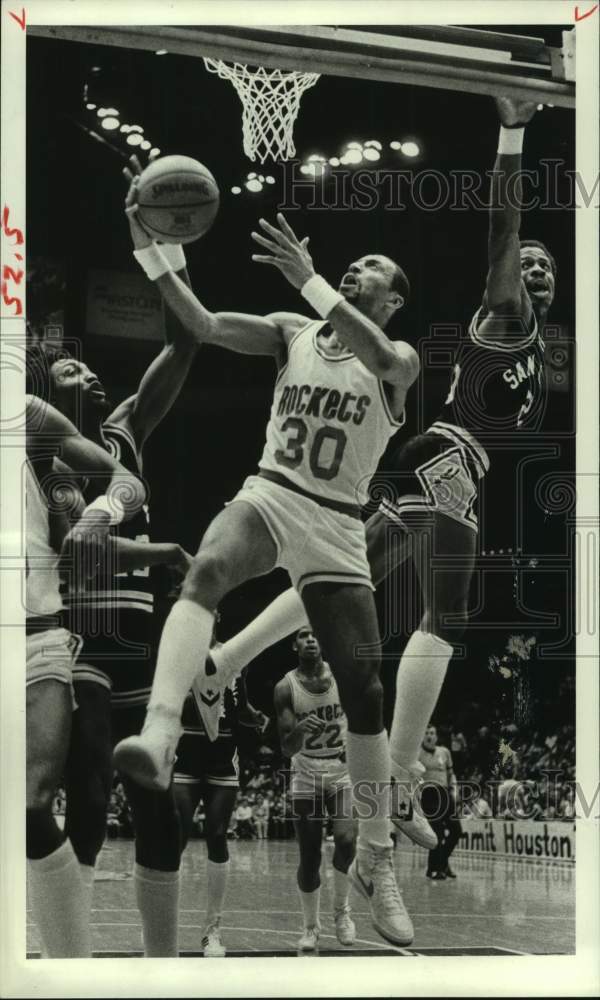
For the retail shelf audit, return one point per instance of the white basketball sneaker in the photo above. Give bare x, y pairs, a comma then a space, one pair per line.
149, 758
310, 939
212, 945
405, 811
345, 928
372, 875
207, 688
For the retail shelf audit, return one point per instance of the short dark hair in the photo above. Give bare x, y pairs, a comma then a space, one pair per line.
39, 359
400, 282
540, 246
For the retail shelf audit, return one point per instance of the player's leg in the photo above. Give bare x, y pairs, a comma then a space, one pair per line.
236, 547
157, 853
339, 807
308, 825
219, 803
345, 622
187, 794
56, 890
444, 555
433, 804
286, 614
88, 776
452, 833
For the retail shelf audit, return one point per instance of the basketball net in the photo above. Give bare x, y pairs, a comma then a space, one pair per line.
270, 101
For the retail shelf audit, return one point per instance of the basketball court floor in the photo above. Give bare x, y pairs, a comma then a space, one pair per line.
493, 907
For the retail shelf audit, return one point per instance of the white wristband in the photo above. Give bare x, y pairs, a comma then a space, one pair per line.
108, 505
510, 141
321, 296
153, 261
174, 255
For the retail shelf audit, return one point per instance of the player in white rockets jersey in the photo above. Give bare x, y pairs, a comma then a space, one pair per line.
339, 397
57, 892
312, 729
497, 391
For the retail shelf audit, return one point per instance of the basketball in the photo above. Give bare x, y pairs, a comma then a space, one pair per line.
178, 199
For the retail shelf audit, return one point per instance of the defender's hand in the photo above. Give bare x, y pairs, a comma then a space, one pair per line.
181, 560
84, 548
514, 113
289, 254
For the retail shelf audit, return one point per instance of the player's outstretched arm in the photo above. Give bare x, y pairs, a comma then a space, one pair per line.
506, 295
125, 493
396, 363
126, 555
164, 379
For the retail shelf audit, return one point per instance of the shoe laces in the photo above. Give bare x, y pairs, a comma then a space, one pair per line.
342, 911
385, 880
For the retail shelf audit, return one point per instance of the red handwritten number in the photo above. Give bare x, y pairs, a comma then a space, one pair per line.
20, 20
581, 17
10, 232
8, 301
9, 275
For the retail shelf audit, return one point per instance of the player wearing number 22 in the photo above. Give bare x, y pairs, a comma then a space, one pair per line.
312, 728
339, 396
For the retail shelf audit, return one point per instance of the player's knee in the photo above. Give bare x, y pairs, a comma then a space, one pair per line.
310, 860
344, 850
41, 789
42, 834
207, 580
450, 623
217, 848
86, 821
362, 693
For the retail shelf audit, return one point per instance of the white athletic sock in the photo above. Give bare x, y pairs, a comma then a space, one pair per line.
59, 904
418, 684
341, 888
217, 875
183, 647
87, 877
283, 616
157, 897
369, 766
310, 907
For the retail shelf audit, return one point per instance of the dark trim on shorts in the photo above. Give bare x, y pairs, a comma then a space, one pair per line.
343, 508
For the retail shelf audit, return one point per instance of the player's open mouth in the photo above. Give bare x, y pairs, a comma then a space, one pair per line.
97, 391
349, 283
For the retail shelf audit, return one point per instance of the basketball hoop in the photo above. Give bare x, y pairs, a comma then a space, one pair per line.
270, 101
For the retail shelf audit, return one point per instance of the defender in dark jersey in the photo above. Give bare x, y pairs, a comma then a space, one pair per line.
113, 676
497, 391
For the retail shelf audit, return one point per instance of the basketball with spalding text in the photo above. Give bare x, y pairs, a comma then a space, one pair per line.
178, 199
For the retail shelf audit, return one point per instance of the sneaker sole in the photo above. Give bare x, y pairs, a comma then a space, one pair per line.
403, 942
137, 764
346, 944
429, 843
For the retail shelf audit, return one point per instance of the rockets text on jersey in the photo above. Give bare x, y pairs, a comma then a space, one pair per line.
331, 742
330, 421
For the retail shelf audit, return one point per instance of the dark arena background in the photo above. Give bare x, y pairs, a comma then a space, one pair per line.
507, 710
